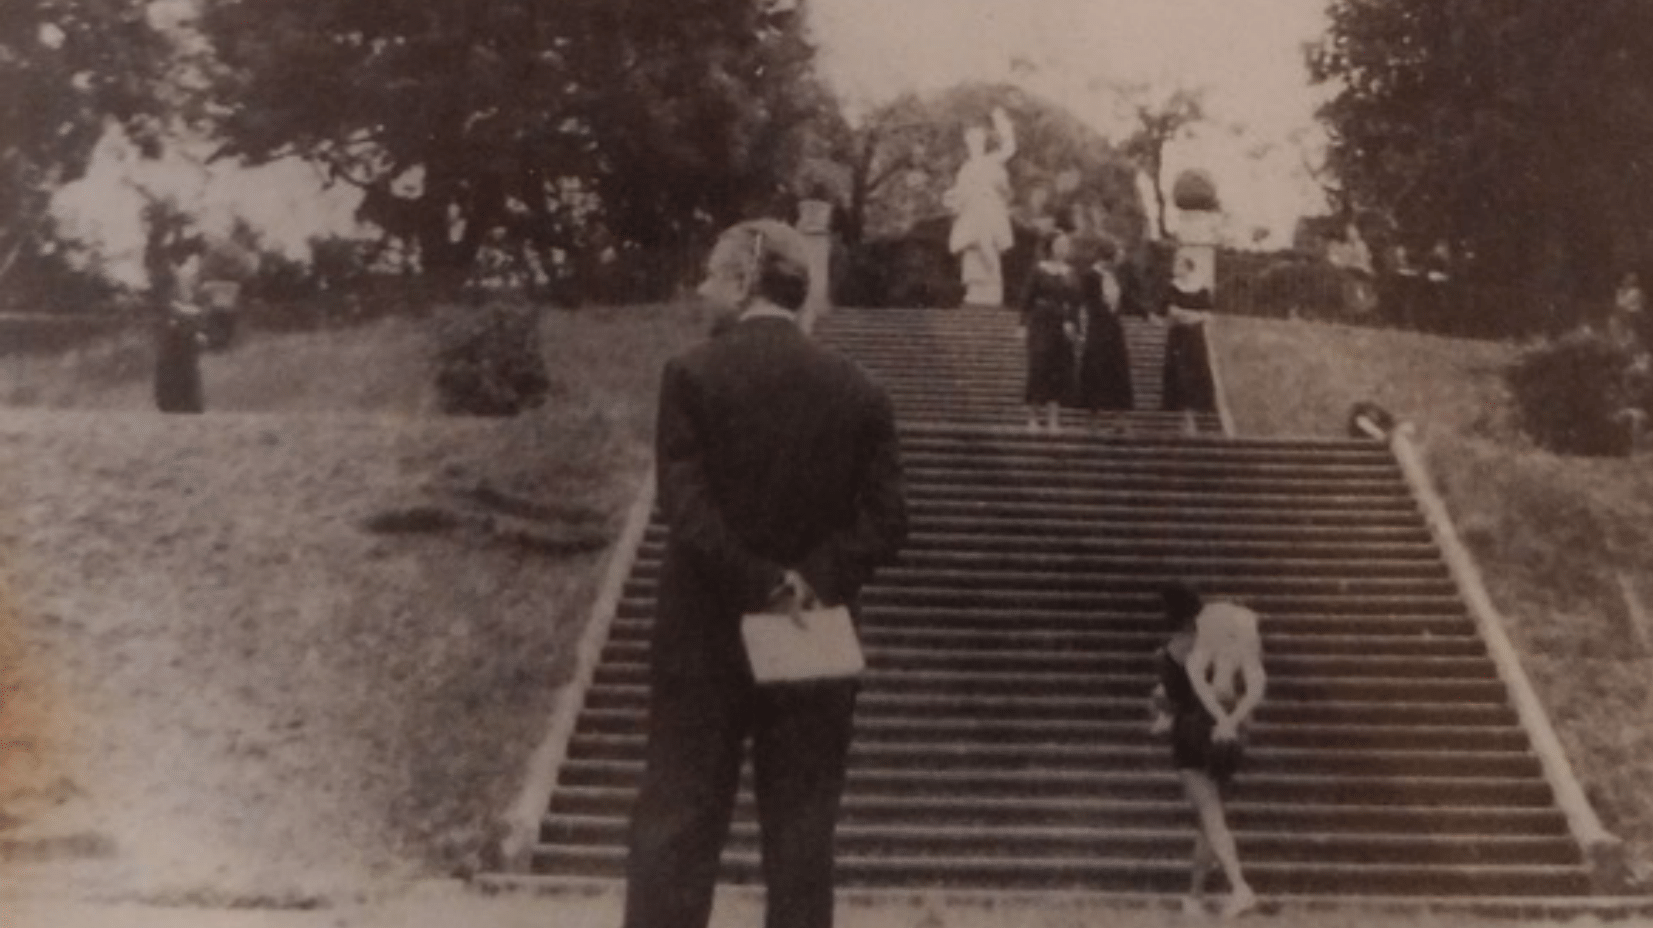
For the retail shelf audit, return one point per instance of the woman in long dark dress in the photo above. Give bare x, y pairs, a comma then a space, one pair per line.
1050, 315
1186, 383
1105, 361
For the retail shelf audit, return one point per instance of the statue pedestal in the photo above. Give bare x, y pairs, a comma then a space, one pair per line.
983, 278
815, 224
1196, 258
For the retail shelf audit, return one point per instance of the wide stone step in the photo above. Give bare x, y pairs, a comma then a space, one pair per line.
1332, 615
629, 641
1158, 782
1111, 461
1095, 812
1027, 660
887, 633
912, 730
1260, 847
1124, 874
901, 706
1099, 590
896, 629
1077, 535
1235, 504
989, 484
1349, 569
1008, 414
1261, 758
1269, 595
1179, 511
1144, 545
1316, 711
1021, 683
1078, 443
1156, 539
944, 386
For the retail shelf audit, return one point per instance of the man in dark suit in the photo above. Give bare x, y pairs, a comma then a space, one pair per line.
779, 474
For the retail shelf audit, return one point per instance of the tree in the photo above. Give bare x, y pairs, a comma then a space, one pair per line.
1513, 130
68, 68
570, 124
1159, 120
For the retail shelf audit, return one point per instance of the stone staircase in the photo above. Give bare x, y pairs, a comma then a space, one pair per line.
965, 366
1002, 733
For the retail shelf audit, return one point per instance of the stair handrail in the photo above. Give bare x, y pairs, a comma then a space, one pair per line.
1604, 852
1225, 416
518, 828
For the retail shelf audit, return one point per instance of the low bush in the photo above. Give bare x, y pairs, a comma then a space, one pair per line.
1570, 394
488, 360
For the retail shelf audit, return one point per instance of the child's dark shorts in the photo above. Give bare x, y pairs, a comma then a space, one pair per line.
1192, 748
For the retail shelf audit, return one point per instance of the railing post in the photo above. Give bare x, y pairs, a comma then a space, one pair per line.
815, 223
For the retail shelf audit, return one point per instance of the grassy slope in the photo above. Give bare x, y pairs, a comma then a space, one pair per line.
1552, 534
226, 679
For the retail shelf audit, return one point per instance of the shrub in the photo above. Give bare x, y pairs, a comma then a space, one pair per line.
1569, 394
488, 360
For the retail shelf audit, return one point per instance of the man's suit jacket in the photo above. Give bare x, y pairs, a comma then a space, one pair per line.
772, 452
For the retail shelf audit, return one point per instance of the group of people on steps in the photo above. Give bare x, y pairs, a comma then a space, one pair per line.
1077, 355
1070, 321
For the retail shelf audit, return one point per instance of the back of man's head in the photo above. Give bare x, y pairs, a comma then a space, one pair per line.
771, 255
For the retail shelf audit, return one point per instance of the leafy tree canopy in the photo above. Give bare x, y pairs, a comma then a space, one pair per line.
67, 68
640, 123
1514, 130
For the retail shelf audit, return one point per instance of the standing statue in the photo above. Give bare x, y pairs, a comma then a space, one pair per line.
979, 199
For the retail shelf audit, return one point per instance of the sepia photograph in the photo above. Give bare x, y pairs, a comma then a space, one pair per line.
826, 463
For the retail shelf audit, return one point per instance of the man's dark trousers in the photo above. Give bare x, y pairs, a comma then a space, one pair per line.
800, 739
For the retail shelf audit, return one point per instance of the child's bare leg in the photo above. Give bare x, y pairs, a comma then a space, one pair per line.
1200, 872
1202, 794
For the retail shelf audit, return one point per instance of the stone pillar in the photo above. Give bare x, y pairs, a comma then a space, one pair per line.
983, 275
1198, 215
815, 222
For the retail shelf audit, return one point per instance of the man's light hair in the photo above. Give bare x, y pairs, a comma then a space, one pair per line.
769, 254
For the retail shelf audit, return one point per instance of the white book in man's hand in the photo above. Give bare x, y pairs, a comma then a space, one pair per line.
812, 644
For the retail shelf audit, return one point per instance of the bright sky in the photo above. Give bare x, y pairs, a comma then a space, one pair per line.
1246, 54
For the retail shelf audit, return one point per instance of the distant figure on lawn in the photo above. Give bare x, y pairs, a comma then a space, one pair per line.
1211, 681
780, 479
178, 339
